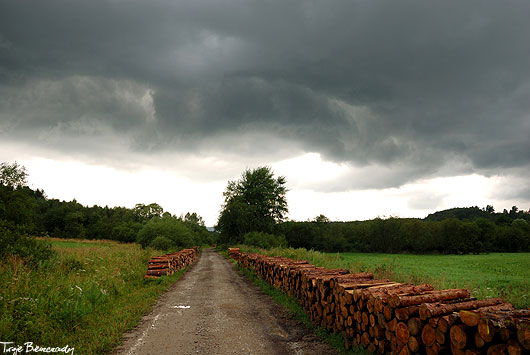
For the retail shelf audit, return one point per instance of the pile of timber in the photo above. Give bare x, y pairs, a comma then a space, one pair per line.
170, 263
391, 317
234, 253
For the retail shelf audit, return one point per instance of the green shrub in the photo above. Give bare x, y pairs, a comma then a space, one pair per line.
172, 228
30, 249
264, 240
126, 231
161, 243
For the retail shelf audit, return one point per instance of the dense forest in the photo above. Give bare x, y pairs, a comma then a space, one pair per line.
503, 232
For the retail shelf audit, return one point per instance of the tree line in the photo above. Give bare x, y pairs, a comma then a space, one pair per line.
254, 212
27, 212
408, 235
255, 209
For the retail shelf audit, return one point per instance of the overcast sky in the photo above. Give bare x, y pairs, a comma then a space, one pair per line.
368, 108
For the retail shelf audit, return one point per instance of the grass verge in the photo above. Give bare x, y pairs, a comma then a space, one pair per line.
86, 297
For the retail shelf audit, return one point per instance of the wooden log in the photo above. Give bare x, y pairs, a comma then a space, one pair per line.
365, 339
383, 347
523, 334
445, 322
158, 266
381, 296
433, 322
432, 350
362, 284
365, 318
414, 325
414, 344
472, 317
459, 336
514, 348
363, 293
151, 277
440, 336
479, 342
428, 335
402, 332
349, 277
428, 297
404, 313
486, 329
404, 350
372, 320
379, 332
391, 325
428, 310
457, 351
497, 349
158, 272
388, 312
396, 345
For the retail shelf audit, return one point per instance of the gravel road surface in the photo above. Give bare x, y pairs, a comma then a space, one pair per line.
212, 309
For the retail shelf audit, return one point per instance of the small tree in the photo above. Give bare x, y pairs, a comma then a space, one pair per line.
13, 175
194, 218
146, 212
254, 203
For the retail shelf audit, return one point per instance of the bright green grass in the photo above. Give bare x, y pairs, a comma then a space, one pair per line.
61, 244
86, 297
486, 275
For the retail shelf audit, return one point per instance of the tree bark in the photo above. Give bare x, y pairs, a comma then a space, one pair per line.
428, 310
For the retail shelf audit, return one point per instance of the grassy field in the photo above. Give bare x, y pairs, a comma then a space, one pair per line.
85, 297
485, 275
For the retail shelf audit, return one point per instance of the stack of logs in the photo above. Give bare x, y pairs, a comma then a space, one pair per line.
234, 253
170, 263
390, 317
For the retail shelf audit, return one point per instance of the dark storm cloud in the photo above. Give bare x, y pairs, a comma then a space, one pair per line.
413, 84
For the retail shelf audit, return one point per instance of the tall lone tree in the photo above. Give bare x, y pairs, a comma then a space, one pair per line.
254, 203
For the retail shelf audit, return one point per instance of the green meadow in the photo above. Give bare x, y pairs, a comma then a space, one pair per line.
505, 275
85, 297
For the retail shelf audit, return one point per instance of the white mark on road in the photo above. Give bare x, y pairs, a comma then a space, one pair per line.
141, 339
183, 307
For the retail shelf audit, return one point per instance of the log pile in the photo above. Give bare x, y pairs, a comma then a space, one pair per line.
390, 317
234, 253
168, 264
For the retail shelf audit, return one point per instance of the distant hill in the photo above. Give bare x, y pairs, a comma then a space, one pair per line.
462, 213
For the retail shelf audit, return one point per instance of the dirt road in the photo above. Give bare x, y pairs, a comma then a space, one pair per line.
214, 310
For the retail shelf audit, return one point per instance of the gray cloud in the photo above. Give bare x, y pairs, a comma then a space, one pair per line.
425, 201
413, 85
